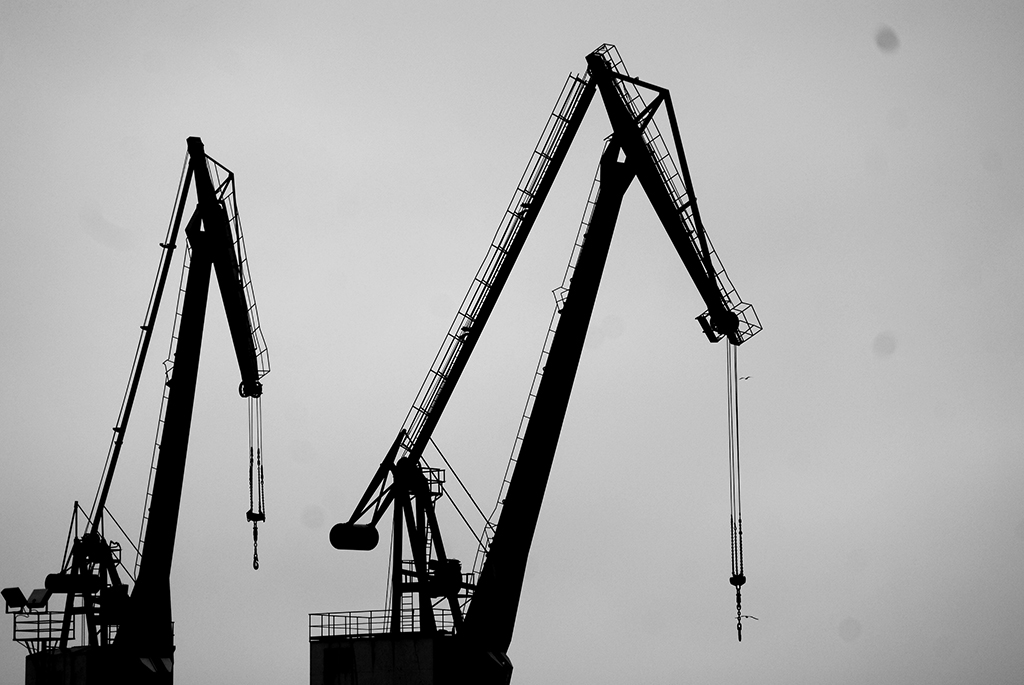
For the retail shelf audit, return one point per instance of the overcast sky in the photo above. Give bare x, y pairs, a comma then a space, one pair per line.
858, 165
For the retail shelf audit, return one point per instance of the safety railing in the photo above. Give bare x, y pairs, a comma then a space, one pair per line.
40, 630
370, 623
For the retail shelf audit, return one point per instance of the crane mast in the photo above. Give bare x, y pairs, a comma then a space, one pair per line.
129, 635
492, 611
458, 626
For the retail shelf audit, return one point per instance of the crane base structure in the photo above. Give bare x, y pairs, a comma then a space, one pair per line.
83, 665
404, 658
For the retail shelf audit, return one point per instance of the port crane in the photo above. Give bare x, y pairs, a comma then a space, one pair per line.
128, 631
444, 625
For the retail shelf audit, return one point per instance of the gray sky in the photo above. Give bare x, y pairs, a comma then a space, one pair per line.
859, 168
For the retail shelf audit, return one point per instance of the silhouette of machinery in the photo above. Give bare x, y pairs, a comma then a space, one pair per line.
443, 625
126, 636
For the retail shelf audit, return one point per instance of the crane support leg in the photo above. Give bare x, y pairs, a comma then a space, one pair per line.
150, 607
492, 612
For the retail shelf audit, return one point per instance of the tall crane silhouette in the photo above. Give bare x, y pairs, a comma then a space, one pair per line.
128, 629
444, 625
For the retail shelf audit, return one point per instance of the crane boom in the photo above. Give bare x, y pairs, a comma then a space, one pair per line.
476, 307
494, 272
670, 191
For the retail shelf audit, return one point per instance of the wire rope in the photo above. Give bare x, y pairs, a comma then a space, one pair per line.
455, 504
737, 579
463, 485
257, 505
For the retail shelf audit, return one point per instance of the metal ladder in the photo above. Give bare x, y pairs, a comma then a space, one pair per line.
560, 293
168, 374
224, 179
410, 608
508, 229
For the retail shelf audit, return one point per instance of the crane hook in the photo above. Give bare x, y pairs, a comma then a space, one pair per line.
255, 549
739, 617
255, 517
737, 580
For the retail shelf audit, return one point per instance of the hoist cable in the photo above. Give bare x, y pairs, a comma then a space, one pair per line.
251, 452
391, 554
259, 453
455, 505
736, 441
463, 485
257, 508
737, 579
